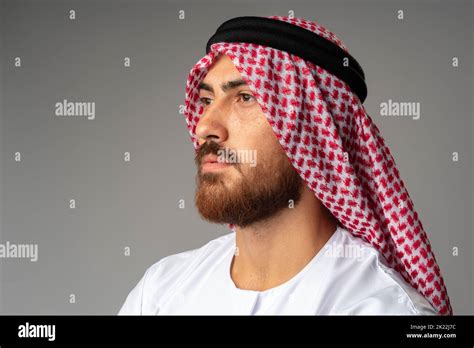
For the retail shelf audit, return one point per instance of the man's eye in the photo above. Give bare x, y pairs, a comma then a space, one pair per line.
247, 97
204, 100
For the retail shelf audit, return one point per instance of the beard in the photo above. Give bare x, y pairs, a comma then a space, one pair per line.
257, 195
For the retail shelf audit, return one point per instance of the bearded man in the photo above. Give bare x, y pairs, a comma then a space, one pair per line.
321, 222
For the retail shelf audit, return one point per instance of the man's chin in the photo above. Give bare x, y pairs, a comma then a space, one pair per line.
224, 179
215, 189
214, 198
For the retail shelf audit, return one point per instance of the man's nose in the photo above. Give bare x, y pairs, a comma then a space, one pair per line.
211, 126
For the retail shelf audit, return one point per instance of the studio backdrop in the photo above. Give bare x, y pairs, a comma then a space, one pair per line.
97, 173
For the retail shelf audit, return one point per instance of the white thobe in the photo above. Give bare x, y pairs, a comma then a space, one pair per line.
347, 276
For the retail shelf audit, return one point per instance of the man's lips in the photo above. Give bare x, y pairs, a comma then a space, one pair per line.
210, 163
209, 159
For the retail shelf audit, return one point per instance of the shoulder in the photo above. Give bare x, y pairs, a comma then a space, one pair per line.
166, 272
369, 285
180, 262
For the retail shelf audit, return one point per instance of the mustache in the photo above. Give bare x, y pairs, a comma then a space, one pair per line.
209, 147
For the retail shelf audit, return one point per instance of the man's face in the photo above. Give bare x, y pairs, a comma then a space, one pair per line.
243, 176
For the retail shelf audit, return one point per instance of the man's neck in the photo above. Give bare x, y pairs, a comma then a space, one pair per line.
272, 252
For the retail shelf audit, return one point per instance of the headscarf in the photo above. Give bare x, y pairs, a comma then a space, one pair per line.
336, 148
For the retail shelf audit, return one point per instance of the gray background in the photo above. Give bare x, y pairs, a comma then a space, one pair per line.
135, 203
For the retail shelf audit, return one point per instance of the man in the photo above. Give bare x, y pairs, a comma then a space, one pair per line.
321, 222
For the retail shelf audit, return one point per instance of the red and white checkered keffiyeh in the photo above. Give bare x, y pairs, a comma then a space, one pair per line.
336, 148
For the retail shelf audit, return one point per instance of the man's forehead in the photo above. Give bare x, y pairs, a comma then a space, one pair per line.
222, 60
222, 69
222, 73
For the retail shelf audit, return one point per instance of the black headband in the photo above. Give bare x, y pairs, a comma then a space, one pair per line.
294, 40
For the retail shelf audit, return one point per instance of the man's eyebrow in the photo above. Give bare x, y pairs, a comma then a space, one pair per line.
225, 86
